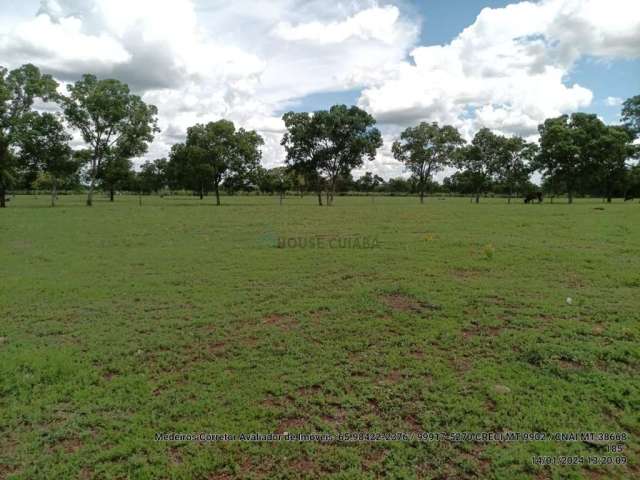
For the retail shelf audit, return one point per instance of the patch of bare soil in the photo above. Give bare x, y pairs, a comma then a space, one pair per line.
407, 303
288, 424
335, 417
466, 273
283, 322
481, 331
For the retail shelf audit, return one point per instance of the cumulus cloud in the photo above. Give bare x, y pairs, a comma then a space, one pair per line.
202, 60
508, 70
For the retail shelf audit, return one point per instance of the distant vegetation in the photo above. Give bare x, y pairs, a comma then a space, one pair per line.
577, 154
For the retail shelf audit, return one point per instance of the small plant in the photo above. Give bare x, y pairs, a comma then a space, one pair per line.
489, 250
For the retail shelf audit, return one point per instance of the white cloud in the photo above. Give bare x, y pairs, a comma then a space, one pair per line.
508, 70
201, 60
613, 101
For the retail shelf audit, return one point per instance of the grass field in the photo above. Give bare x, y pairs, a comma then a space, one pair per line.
121, 321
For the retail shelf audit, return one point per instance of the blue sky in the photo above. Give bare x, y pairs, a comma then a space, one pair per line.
404, 61
442, 20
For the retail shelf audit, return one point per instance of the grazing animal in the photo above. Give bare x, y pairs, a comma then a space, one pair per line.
531, 197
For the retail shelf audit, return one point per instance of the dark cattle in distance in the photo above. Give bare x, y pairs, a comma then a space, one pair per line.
531, 197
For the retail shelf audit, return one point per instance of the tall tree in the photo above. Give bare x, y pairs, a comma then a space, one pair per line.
479, 160
303, 144
109, 117
329, 144
580, 149
18, 90
425, 150
214, 151
611, 150
44, 145
560, 155
512, 165
348, 137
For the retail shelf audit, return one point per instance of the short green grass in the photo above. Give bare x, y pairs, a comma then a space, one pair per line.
120, 321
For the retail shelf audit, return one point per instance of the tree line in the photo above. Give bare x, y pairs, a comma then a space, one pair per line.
576, 154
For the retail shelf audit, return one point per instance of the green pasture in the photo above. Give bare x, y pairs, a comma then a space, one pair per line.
379, 315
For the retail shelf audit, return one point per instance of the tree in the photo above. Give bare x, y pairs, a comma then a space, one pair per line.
213, 152
560, 155
611, 150
348, 138
186, 169
152, 176
115, 173
580, 150
281, 180
109, 118
369, 182
18, 90
329, 144
302, 142
631, 115
461, 182
44, 145
426, 149
512, 163
479, 160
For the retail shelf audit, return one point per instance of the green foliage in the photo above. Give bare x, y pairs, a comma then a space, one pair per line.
187, 323
115, 124
153, 176
478, 159
631, 115
580, 149
369, 182
213, 153
19, 89
326, 145
426, 149
514, 163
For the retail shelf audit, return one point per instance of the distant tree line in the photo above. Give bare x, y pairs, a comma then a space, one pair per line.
576, 154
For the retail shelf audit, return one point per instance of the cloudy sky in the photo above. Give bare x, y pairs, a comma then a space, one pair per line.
502, 64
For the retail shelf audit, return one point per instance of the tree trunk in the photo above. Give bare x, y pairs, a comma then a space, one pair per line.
421, 194
281, 197
111, 193
570, 193
53, 193
510, 195
201, 192
90, 194
140, 197
319, 197
217, 194
3, 202
478, 197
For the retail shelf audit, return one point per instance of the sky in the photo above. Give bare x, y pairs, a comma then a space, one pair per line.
501, 64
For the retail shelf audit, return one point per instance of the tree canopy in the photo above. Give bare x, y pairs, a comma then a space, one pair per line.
330, 143
213, 152
114, 123
19, 89
426, 149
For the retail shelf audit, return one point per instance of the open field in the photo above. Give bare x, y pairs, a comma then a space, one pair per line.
120, 321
